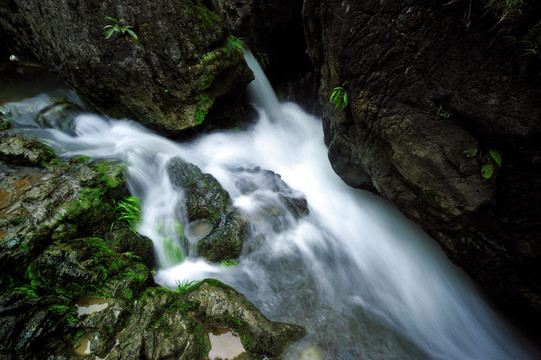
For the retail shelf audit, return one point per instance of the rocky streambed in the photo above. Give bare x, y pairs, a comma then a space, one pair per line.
75, 281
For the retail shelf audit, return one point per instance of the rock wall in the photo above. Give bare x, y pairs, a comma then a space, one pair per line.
272, 29
427, 81
168, 78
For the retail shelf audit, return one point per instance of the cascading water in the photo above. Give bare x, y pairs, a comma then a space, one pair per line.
362, 280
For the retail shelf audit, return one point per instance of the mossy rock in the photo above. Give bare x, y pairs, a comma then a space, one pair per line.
205, 197
132, 245
17, 150
225, 240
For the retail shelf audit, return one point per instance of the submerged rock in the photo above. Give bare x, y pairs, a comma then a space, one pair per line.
278, 206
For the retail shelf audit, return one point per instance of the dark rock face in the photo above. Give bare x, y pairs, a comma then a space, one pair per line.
168, 79
427, 81
273, 28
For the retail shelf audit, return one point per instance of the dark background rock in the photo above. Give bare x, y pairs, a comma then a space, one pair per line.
168, 79
272, 30
427, 81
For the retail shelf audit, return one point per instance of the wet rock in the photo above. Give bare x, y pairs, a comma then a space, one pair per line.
222, 305
183, 59
4, 121
204, 196
59, 115
38, 206
160, 328
131, 244
53, 269
225, 240
273, 30
23, 151
422, 89
205, 199
249, 181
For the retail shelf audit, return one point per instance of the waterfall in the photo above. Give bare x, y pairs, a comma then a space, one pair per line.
364, 281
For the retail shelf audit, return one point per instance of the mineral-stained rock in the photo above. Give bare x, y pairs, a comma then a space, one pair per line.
427, 81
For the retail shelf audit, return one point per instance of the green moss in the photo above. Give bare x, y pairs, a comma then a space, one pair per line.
28, 292
112, 173
206, 15
78, 335
203, 106
127, 294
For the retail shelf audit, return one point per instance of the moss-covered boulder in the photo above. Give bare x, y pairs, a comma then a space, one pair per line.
206, 201
181, 59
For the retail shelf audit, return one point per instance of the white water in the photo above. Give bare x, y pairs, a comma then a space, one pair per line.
363, 281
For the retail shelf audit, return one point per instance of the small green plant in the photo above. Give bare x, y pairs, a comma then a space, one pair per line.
443, 113
339, 96
182, 287
228, 262
117, 28
131, 256
491, 160
129, 212
234, 46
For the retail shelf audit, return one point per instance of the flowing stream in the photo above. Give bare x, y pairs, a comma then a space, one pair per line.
365, 282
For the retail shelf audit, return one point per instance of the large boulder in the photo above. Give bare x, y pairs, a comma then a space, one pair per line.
180, 61
436, 101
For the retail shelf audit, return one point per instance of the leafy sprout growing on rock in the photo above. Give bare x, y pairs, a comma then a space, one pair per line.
117, 28
234, 45
339, 96
129, 212
491, 160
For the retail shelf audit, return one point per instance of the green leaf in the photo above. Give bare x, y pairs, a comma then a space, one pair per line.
495, 155
471, 152
132, 34
109, 33
111, 18
107, 26
487, 171
345, 99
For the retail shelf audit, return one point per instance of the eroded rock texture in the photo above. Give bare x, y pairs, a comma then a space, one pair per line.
183, 59
427, 81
